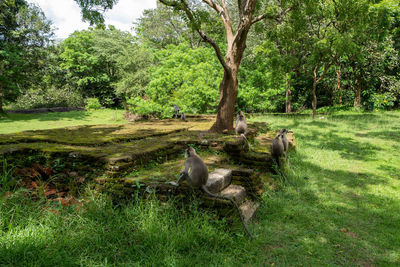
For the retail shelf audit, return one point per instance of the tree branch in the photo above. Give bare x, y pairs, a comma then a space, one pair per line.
278, 18
223, 12
184, 7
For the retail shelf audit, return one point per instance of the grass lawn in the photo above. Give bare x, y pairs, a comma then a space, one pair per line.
340, 206
24, 122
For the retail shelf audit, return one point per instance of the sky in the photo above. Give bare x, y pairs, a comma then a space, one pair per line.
66, 15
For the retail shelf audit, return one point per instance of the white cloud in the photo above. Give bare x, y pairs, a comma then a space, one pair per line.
66, 16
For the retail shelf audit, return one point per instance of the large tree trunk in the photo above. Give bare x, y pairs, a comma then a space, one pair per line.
1, 102
228, 90
314, 102
288, 108
357, 95
338, 85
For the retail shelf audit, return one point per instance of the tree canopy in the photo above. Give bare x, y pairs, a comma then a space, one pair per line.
208, 57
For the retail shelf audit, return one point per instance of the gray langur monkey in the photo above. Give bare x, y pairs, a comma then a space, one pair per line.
280, 146
241, 126
277, 149
183, 117
285, 141
196, 174
176, 110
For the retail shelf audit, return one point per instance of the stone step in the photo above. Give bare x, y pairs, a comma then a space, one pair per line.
248, 209
236, 192
218, 180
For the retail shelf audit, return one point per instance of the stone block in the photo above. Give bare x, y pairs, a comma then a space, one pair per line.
236, 192
248, 209
218, 180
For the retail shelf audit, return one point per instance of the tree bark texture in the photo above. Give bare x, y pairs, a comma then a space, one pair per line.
228, 90
288, 108
1, 102
314, 101
357, 95
338, 85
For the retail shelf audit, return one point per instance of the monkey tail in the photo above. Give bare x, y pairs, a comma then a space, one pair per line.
205, 190
247, 141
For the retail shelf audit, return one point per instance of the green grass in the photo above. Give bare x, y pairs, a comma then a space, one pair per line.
22, 122
340, 206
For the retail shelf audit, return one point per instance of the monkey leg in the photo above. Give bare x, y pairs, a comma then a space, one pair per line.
183, 176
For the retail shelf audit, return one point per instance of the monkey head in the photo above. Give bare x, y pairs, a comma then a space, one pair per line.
189, 152
240, 115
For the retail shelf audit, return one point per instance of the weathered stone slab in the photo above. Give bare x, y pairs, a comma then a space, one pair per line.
236, 192
248, 209
218, 180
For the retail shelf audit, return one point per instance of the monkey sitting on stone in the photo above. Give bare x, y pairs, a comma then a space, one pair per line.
280, 146
241, 127
196, 174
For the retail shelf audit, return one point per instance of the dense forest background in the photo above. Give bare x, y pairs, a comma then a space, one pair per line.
347, 52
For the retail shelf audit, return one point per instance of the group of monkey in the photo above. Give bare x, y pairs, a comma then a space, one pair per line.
177, 115
196, 171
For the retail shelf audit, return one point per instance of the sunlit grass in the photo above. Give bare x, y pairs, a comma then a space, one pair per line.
22, 122
340, 206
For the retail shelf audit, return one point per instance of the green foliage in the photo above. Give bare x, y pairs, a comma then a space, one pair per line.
383, 101
161, 26
186, 77
93, 103
86, 70
24, 35
167, 64
261, 83
52, 97
148, 108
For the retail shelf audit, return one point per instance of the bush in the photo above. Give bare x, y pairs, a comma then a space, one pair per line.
383, 101
93, 103
148, 108
47, 98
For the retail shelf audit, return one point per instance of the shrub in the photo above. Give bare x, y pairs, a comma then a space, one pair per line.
93, 103
383, 101
52, 97
148, 108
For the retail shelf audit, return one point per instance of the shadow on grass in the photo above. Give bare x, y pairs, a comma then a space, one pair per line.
348, 147
330, 217
390, 171
153, 235
53, 116
384, 135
